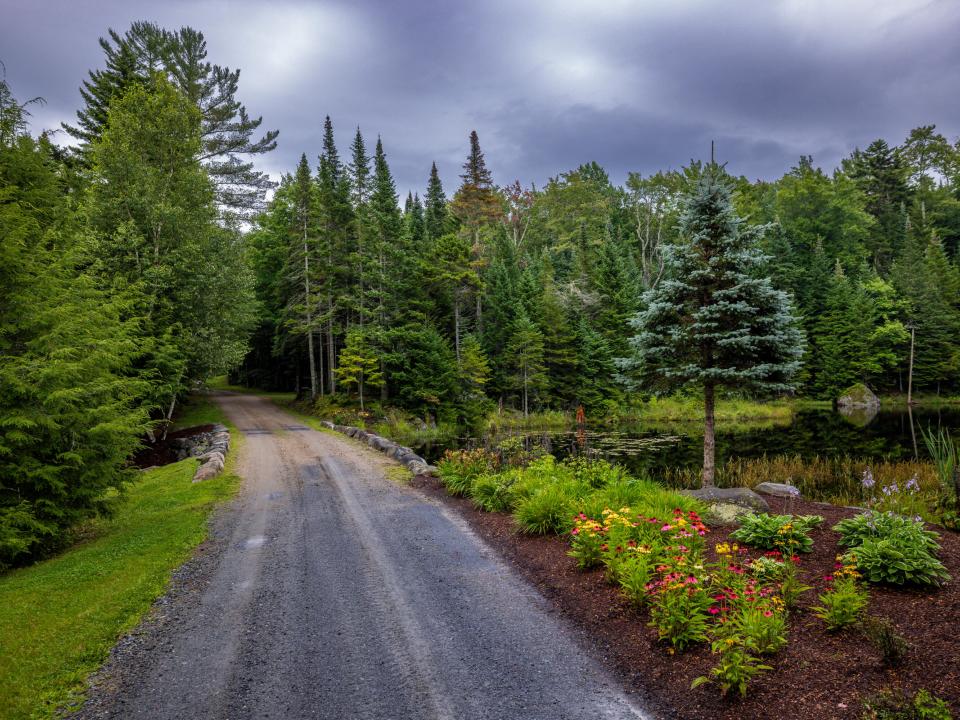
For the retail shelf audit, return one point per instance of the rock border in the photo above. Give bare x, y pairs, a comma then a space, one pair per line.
403, 455
213, 460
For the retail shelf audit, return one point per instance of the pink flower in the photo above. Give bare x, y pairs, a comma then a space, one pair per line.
714, 611
768, 614
665, 528
828, 578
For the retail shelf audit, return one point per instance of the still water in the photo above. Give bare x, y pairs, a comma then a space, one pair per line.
891, 434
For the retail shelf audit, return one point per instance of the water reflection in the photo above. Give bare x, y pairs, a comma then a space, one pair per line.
890, 434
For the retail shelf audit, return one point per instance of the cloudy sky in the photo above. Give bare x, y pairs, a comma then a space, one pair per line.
548, 84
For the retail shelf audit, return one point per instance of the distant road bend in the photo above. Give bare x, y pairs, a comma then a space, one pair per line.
328, 591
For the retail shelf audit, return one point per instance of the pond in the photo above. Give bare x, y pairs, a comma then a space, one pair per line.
646, 449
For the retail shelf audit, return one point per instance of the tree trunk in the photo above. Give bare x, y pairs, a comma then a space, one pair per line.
913, 333
306, 290
709, 444
456, 324
361, 391
526, 412
331, 350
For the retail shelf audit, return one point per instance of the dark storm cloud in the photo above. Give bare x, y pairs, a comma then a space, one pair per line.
548, 84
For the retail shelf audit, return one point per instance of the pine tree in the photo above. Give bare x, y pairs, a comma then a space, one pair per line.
301, 270
358, 365
713, 319
227, 130
436, 216
477, 206
525, 356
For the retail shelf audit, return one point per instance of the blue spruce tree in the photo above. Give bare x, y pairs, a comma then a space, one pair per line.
715, 319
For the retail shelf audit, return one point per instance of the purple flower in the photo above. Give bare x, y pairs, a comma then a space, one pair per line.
912, 484
868, 481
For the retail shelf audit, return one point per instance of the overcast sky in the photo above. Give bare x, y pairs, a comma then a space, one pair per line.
548, 84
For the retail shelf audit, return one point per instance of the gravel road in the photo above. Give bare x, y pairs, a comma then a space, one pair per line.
328, 591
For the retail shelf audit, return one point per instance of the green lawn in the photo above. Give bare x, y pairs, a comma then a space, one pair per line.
59, 618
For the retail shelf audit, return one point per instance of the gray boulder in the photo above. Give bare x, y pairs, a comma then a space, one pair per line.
782, 490
741, 497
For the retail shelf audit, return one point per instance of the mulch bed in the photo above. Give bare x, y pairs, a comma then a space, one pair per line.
818, 675
162, 451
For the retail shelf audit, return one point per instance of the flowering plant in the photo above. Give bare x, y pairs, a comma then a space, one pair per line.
844, 603
736, 668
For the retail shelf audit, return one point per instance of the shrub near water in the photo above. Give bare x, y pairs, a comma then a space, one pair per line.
892, 549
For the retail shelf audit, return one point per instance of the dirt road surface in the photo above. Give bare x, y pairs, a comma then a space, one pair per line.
329, 591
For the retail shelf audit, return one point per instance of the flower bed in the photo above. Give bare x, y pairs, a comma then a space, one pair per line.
634, 624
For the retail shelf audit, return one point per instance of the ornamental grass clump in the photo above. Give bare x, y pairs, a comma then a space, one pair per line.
787, 534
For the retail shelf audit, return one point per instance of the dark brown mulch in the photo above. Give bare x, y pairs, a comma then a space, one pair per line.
162, 452
818, 675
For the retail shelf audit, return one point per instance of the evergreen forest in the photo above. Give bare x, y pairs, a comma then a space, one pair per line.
150, 255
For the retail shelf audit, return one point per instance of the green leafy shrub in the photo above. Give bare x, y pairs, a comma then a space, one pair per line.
897, 560
785, 533
853, 531
587, 541
596, 473
494, 493
844, 604
459, 468
548, 510
736, 668
763, 630
891, 548
895, 705
636, 570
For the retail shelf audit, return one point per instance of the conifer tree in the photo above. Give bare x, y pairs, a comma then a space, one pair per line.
524, 354
358, 366
435, 213
714, 319
227, 133
477, 206
301, 270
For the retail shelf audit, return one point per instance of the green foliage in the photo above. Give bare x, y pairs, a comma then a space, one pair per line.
895, 705
549, 509
59, 618
785, 533
946, 458
735, 668
883, 635
843, 604
763, 631
359, 366
459, 469
898, 559
678, 612
854, 531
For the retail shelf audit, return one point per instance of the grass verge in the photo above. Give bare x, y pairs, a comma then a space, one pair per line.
60, 618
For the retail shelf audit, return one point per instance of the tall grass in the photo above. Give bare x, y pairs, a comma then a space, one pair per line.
830, 479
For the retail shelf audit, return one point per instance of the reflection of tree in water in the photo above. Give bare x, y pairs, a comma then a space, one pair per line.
812, 433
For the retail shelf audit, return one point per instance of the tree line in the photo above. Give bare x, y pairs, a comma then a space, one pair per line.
523, 297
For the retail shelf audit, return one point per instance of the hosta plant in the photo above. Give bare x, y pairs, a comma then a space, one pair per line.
897, 560
869, 525
787, 534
